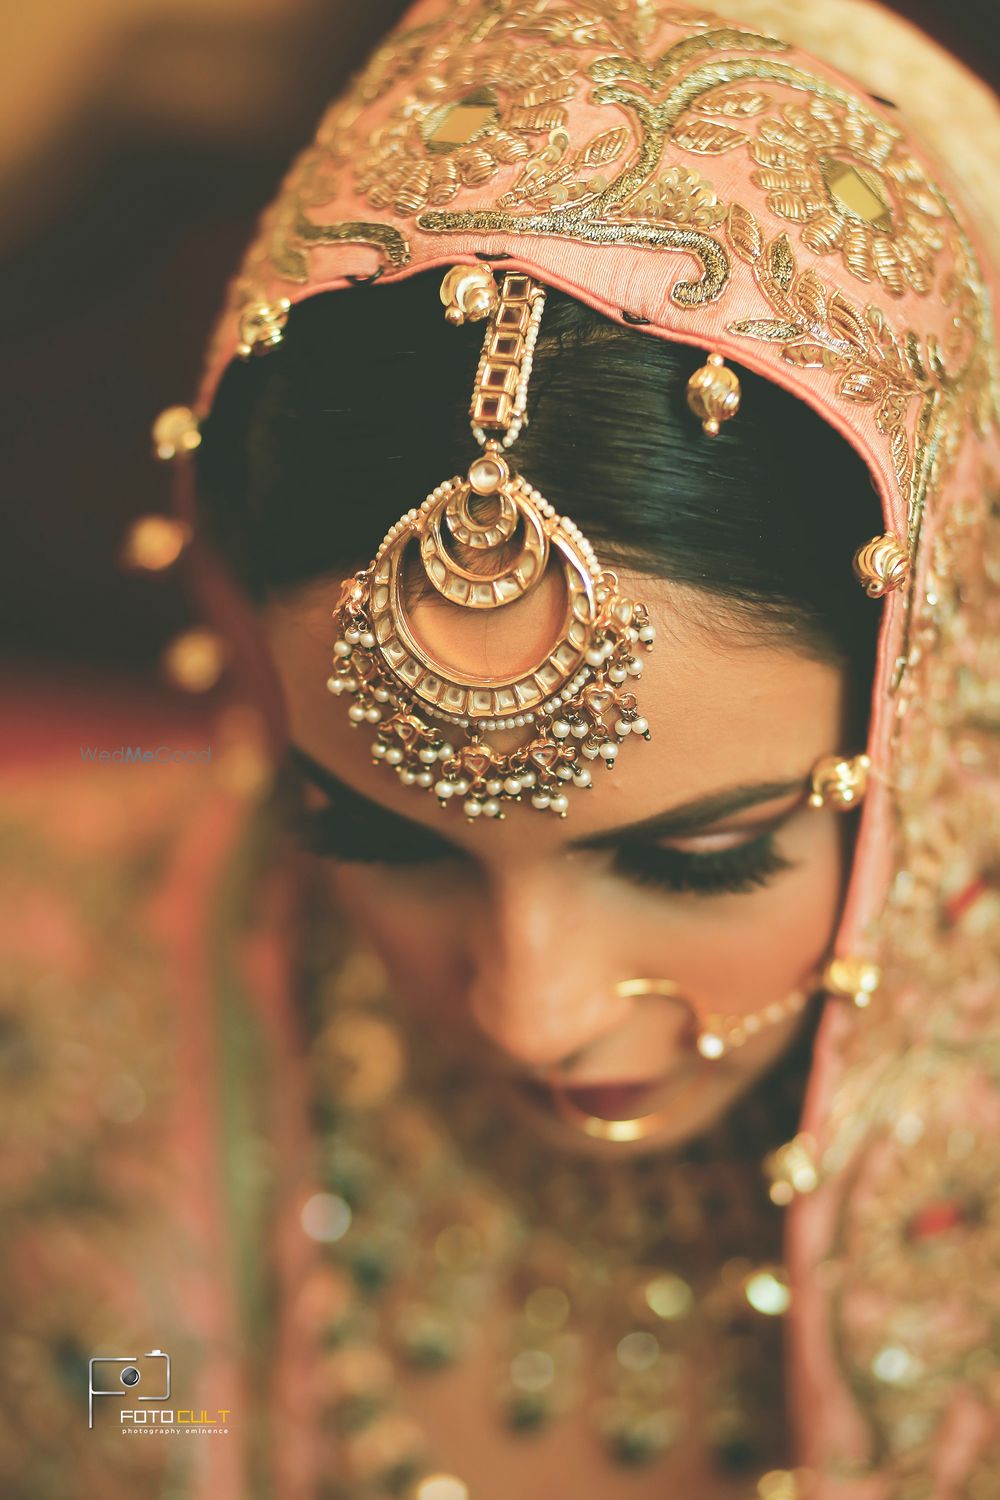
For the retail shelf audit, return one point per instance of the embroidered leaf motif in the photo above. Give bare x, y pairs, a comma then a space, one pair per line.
890, 413
847, 323
913, 359
935, 356
738, 102
811, 357
540, 117
744, 231
547, 93
603, 148
529, 185
862, 385
811, 296
766, 328
885, 341
788, 204
707, 138
782, 262
900, 454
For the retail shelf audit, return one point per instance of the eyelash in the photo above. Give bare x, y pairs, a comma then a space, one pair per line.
725, 871
732, 871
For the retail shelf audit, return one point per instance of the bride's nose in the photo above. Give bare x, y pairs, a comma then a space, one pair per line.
543, 975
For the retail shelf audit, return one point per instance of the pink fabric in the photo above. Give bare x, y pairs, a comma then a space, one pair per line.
937, 448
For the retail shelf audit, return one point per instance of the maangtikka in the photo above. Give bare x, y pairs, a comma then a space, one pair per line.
484, 541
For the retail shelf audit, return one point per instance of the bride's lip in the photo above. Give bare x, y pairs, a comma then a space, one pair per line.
617, 1100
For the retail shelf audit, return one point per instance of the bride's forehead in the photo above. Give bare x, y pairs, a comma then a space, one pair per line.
719, 713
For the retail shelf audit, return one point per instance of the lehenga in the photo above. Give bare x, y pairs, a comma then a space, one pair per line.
229, 1144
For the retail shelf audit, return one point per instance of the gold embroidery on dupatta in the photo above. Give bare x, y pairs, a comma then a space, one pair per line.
854, 187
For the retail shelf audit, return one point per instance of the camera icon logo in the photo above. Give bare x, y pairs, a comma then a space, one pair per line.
130, 1376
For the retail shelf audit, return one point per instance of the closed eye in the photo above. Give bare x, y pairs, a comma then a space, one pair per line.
333, 833
734, 871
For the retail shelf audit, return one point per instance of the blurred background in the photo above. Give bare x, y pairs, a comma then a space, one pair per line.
138, 141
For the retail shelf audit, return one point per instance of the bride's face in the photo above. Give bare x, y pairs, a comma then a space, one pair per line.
697, 860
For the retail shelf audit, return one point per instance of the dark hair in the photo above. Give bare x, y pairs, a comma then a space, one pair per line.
311, 452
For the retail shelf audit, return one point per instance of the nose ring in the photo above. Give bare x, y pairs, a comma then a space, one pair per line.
640, 1126
712, 1038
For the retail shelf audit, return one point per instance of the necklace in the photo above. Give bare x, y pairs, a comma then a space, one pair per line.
621, 1281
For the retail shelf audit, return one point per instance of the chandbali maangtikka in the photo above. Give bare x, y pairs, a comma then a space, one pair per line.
576, 702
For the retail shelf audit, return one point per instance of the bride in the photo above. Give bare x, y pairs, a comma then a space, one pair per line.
624, 390
596, 470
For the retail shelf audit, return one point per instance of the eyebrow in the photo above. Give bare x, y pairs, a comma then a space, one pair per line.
688, 818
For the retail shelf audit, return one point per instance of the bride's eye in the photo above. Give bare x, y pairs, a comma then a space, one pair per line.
332, 833
740, 868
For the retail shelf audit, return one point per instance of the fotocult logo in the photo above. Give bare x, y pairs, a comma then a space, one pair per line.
129, 1377
141, 1377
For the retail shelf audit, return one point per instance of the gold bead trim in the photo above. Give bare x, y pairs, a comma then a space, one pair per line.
713, 394
839, 783
194, 661
881, 564
792, 1170
854, 978
262, 325
153, 543
175, 432
469, 294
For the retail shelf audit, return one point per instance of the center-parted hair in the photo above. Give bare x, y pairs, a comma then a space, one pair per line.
311, 452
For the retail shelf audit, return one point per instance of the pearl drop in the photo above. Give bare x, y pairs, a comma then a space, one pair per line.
444, 789
647, 634
559, 804
640, 725
373, 715
446, 752
356, 712
425, 778
462, 785
405, 776
394, 755
540, 799
560, 729
512, 786
471, 807
710, 1045
579, 731
582, 777
341, 649
353, 636
590, 751
368, 640
380, 695
528, 779
617, 674
491, 807
427, 755
635, 668
494, 787
564, 773
594, 656
623, 727
378, 749
609, 752
335, 685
